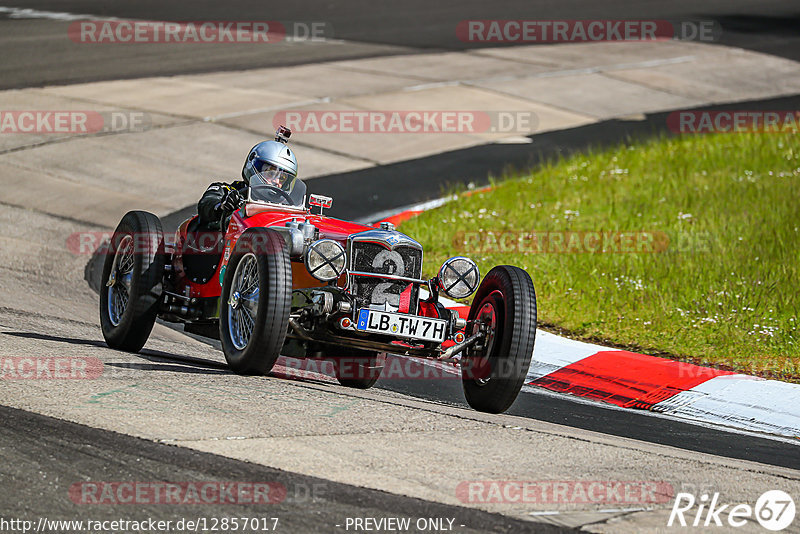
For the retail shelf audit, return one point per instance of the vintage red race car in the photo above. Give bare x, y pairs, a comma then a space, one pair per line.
284, 280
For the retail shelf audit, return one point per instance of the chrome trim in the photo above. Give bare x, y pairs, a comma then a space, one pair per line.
293, 238
387, 277
458, 347
328, 261
388, 238
460, 275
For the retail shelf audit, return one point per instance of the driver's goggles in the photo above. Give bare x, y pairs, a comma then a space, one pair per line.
272, 175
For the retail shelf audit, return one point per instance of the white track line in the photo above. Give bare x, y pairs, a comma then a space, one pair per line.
25, 13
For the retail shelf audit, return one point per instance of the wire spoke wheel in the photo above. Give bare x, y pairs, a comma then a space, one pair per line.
132, 281
243, 302
255, 302
119, 281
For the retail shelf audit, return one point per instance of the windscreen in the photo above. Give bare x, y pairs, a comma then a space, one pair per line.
292, 193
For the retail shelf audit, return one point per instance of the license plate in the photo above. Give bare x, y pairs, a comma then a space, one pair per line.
401, 325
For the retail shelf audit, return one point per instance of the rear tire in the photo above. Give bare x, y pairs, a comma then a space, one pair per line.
359, 370
255, 302
493, 377
129, 301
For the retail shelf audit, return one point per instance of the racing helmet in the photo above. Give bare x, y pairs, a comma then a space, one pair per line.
272, 163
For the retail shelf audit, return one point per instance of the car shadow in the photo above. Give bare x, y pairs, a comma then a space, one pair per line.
161, 361
167, 361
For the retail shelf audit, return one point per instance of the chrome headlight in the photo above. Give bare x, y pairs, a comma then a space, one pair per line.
459, 277
325, 259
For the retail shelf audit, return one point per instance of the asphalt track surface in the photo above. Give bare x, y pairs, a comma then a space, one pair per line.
311, 504
36, 51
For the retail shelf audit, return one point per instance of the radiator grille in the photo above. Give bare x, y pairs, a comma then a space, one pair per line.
374, 258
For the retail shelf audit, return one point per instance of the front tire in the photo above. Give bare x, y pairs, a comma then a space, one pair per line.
493, 376
131, 288
255, 302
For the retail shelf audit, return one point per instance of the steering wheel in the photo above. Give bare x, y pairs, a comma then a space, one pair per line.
282, 192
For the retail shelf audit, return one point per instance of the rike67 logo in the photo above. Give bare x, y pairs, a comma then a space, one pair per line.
774, 510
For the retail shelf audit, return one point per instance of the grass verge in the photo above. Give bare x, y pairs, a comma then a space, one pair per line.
685, 246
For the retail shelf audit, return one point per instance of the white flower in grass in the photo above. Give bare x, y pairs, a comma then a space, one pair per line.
628, 283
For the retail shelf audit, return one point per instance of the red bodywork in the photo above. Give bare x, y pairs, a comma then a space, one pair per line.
259, 217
